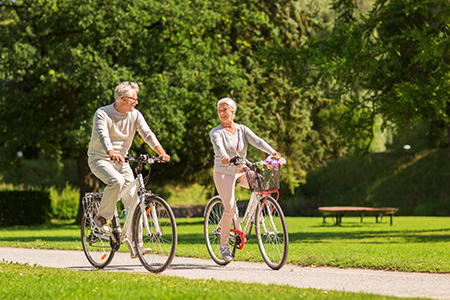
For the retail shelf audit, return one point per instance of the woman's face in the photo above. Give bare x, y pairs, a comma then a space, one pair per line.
225, 113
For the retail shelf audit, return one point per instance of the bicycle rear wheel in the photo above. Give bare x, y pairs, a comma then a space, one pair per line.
96, 245
162, 238
271, 233
212, 231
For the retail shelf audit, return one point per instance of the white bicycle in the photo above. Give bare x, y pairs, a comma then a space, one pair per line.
263, 211
150, 223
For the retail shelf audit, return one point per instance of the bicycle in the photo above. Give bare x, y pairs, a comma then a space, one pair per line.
151, 224
263, 211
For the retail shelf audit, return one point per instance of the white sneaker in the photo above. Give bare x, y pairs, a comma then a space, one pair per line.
101, 223
144, 251
226, 255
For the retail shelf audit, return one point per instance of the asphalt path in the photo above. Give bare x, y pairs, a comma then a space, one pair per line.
399, 284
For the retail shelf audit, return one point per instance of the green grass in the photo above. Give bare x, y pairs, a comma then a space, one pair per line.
420, 244
19, 281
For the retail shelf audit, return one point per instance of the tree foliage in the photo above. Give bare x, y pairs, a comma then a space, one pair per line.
391, 63
311, 81
60, 61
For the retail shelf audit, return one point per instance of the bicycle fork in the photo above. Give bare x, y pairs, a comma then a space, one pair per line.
271, 222
152, 213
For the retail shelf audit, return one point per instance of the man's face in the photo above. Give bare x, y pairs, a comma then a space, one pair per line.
131, 101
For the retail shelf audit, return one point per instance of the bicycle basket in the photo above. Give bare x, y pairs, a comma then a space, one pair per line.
263, 179
89, 197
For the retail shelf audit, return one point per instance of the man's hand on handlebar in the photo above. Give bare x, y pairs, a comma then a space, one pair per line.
165, 157
116, 157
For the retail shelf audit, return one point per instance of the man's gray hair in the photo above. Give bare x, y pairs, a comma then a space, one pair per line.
228, 101
124, 90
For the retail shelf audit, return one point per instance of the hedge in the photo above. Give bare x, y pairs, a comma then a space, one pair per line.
24, 208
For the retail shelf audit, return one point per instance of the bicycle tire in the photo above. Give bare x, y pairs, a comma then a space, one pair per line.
213, 214
97, 247
162, 246
271, 233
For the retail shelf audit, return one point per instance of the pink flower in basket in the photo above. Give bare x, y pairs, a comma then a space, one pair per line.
276, 162
268, 173
271, 163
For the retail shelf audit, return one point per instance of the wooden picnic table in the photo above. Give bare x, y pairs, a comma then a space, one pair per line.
340, 211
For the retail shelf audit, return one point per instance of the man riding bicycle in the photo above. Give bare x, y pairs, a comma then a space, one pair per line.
113, 131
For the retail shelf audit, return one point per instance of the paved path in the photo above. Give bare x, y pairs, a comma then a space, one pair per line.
400, 284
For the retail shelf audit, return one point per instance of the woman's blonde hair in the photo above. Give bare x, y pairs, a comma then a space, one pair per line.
229, 102
124, 88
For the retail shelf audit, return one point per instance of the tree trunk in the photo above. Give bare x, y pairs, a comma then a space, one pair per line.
87, 182
448, 134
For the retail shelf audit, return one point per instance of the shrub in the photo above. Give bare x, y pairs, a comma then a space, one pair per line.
24, 208
65, 202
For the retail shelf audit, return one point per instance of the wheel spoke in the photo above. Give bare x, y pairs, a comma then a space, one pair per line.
212, 230
96, 246
271, 232
156, 249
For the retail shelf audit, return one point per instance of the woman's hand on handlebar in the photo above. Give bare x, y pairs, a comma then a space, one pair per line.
116, 157
276, 155
226, 160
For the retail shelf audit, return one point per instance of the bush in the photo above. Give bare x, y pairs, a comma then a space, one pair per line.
415, 182
65, 202
24, 208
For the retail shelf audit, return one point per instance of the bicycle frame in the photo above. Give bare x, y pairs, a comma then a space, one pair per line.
154, 249
249, 216
262, 210
138, 199
250, 213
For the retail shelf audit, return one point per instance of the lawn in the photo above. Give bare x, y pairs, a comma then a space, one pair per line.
33, 282
419, 244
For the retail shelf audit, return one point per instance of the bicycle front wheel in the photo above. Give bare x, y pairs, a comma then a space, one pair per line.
271, 233
212, 231
160, 242
96, 245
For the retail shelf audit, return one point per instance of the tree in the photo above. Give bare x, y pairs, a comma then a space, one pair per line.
60, 61
392, 63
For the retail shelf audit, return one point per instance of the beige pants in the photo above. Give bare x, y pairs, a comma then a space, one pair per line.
225, 187
116, 177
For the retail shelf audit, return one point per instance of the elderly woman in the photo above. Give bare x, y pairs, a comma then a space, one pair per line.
230, 139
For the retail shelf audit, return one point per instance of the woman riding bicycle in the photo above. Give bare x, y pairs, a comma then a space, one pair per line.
230, 139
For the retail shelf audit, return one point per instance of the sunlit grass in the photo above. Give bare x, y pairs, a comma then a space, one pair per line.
412, 244
19, 281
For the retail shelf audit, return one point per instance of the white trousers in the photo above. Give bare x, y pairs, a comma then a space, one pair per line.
116, 177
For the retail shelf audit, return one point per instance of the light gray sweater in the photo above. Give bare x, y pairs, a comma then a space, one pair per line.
115, 131
222, 142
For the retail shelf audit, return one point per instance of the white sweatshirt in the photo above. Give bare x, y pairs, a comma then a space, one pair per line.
115, 131
225, 145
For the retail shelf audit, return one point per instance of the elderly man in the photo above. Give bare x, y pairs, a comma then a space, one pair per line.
113, 131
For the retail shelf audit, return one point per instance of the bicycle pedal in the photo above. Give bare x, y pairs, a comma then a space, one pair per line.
238, 240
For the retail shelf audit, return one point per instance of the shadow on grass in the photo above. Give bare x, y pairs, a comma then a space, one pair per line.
373, 237
329, 234
35, 238
188, 222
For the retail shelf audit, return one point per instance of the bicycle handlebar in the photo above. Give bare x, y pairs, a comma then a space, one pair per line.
236, 160
144, 158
